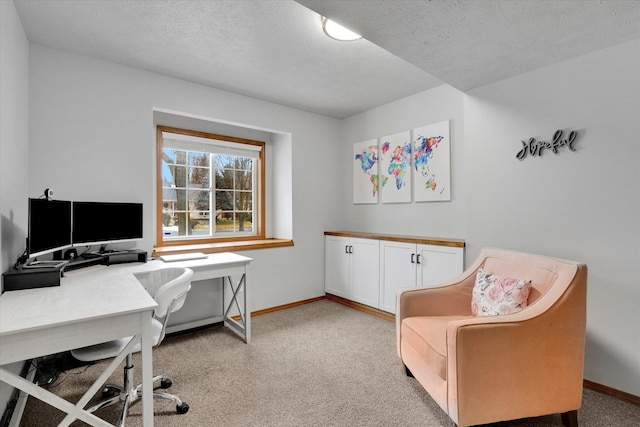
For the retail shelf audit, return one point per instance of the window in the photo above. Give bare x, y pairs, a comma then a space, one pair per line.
210, 188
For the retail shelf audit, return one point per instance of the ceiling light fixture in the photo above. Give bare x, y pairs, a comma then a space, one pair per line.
338, 32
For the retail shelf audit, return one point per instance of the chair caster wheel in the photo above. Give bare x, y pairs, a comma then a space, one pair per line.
165, 383
182, 408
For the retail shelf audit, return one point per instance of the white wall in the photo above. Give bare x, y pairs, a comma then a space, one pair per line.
14, 109
92, 138
582, 205
14, 134
440, 219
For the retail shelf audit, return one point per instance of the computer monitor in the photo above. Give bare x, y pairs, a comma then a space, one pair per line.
49, 226
101, 223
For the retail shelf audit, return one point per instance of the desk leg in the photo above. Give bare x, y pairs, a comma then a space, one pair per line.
243, 326
147, 371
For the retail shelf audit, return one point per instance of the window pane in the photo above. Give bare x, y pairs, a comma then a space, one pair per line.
177, 226
224, 222
174, 175
168, 155
244, 163
199, 223
224, 200
199, 177
179, 174
199, 200
224, 179
244, 180
243, 221
181, 157
169, 199
197, 158
243, 201
167, 174
181, 200
230, 223
224, 161
169, 217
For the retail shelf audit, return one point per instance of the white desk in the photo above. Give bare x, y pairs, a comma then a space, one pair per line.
85, 309
94, 306
221, 265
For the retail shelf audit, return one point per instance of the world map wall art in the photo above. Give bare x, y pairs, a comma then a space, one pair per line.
395, 168
404, 166
365, 171
432, 163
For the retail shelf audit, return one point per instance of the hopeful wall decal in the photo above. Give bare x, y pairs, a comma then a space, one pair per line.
535, 147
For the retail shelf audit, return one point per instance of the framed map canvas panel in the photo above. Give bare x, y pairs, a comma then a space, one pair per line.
395, 168
432, 163
365, 171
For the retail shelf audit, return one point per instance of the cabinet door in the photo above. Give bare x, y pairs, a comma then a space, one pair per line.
397, 270
336, 266
365, 271
439, 264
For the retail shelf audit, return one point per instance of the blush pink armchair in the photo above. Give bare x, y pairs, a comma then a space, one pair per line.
496, 368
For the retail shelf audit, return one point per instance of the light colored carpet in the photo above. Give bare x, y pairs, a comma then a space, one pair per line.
320, 364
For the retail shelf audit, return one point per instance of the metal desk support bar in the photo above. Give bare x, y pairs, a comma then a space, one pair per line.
73, 411
242, 327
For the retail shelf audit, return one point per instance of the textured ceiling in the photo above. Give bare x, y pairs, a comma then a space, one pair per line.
276, 50
470, 43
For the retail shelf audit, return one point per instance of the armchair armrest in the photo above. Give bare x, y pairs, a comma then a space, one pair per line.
452, 298
446, 300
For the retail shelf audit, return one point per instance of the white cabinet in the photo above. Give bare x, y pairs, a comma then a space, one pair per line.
365, 263
337, 266
352, 268
438, 264
397, 270
370, 268
405, 265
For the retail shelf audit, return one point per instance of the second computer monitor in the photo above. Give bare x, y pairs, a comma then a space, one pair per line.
100, 223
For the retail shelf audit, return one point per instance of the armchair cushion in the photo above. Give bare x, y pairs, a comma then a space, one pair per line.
428, 338
494, 294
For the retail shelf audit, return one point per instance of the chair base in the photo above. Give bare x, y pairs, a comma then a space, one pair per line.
128, 394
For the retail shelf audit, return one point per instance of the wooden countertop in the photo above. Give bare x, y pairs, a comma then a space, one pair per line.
440, 241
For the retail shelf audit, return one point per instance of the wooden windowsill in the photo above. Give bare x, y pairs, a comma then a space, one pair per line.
209, 248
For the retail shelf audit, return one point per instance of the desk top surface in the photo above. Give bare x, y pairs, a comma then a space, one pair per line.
94, 293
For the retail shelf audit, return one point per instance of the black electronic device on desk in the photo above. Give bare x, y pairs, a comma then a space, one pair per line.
49, 232
36, 276
119, 257
82, 262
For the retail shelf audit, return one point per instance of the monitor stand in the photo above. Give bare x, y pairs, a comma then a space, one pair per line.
117, 256
103, 251
44, 264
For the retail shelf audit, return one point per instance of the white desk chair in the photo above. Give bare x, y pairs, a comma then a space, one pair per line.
169, 287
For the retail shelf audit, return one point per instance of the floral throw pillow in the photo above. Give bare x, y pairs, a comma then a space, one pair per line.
494, 295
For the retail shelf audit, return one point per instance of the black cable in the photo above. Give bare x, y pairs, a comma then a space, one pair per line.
21, 259
66, 375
